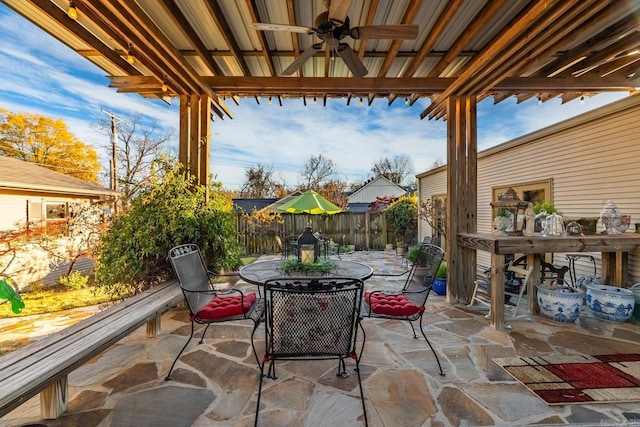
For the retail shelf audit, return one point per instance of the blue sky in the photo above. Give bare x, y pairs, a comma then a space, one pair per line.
42, 76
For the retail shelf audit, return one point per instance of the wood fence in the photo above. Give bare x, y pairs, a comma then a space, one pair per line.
365, 230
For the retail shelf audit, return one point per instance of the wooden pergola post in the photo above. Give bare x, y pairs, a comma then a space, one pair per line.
195, 111
461, 195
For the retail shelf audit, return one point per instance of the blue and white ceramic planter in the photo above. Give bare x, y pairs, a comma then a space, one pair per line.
610, 302
559, 305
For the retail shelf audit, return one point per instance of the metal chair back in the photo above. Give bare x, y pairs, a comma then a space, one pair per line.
192, 274
312, 319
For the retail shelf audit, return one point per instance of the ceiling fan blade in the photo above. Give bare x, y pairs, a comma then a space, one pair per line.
300, 60
338, 11
352, 61
400, 31
265, 26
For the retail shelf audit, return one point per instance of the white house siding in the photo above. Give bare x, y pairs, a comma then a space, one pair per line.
380, 186
13, 212
436, 184
590, 159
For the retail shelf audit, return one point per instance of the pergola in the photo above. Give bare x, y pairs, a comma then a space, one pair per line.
206, 53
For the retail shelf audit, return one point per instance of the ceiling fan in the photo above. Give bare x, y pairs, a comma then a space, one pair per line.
331, 27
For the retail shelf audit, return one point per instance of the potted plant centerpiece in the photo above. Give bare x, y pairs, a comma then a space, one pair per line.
293, 266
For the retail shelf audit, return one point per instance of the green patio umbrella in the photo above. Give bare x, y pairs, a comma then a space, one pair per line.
309, 202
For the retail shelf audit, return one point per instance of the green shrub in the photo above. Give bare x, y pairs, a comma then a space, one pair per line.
403, 215
74, 281
171, 210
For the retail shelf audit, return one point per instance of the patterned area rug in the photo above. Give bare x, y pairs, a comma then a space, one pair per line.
561, 380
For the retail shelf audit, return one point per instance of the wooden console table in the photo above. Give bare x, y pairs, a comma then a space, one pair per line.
614, 249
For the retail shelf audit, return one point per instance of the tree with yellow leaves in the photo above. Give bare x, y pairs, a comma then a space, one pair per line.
38, 139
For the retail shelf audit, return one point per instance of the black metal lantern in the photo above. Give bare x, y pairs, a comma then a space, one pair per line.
510, 206
307, 247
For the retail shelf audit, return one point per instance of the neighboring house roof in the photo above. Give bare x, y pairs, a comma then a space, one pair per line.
16, 174
358, 207
272, 207
250, 205
380, 186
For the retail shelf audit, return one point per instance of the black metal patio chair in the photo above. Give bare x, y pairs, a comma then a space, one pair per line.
312, 319
206, 304
408, 304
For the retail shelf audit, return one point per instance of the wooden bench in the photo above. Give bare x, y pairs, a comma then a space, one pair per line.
43, 366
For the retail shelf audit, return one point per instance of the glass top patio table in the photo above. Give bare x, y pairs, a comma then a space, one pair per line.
259, 272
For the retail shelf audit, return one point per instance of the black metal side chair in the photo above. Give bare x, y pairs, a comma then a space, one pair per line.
312, 319
206, 304
408, 304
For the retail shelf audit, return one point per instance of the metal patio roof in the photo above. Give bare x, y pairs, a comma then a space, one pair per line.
486, 48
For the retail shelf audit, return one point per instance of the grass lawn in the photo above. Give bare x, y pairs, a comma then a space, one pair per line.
58, 298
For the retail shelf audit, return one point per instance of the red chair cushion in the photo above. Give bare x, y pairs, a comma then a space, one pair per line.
391, 304
220, 307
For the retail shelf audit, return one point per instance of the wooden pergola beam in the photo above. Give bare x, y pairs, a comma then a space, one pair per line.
423, 85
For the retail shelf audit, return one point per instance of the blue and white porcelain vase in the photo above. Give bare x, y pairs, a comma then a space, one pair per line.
610, 302
562, 304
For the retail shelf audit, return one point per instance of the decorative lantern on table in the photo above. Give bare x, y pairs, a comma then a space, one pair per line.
510, 204
307, 247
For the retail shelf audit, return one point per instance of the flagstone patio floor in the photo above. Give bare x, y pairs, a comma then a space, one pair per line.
215, 383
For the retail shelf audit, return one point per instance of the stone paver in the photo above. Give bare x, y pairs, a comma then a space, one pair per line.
215, 383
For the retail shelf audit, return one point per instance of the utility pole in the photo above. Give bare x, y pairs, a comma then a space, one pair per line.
113, 166
114, 169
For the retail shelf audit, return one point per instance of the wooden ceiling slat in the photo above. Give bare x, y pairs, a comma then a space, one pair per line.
253, 11
476, 26
409, 16
566, 60
553, 25
183, 24
110, 23
441, 24
544, 45
162, 46
371, 14
291, 14
619, 48
218, 17
595, 43
502, 46
61, 17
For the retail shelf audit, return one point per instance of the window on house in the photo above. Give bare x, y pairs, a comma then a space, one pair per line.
56, 210
438, 219
534, 192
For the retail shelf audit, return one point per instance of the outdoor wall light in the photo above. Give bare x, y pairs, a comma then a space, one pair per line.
164, 84
72, 12
270, 101
307, 247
